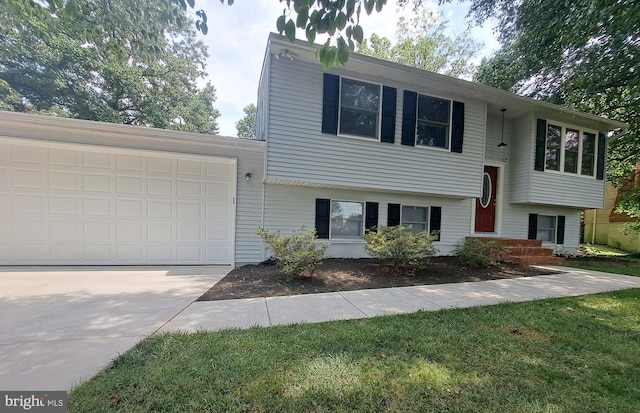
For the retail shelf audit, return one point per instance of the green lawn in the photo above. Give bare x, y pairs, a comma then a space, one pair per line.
608, 259
563, 355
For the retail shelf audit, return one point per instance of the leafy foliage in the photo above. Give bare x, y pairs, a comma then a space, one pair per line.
478, 253
405, 250
116, 61
584, 54
298, 254
247, 126
422, 43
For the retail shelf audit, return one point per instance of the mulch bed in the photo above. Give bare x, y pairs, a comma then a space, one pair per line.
341, 274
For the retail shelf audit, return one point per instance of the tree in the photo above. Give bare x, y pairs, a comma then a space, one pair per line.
422, 43
247, 126
107, 60
583, 54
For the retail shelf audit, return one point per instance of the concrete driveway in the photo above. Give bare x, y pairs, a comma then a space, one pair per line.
60, 326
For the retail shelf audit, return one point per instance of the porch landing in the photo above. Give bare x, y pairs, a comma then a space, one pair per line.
525, 252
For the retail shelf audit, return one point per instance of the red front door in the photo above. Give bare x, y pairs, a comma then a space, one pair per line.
486, 204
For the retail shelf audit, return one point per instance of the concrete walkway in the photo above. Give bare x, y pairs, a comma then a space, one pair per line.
60, 326
312, 308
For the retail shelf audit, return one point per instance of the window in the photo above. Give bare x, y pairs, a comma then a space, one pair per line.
569, 150
433, 120
546, 228
588, 153
554, 134
416, 217
359, 108
346, 219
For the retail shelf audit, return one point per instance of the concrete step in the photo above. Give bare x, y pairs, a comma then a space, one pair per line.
529, 251
513, 242
534, 260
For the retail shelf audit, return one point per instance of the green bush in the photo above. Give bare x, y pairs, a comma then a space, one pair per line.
298, 254
403, 249
478, 253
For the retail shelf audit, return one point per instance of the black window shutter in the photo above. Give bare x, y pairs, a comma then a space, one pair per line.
393, 215
457, 135
371, 216
602, 151
435, 220
323, 209
560, 230
330, 102
541, 140
388, 114
533, 226
409, 113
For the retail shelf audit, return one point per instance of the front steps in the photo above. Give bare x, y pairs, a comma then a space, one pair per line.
526, 252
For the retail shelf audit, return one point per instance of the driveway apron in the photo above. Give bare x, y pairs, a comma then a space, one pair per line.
60, 326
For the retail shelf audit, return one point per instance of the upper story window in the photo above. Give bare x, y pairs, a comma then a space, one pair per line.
359, 108
433, 122
570, 150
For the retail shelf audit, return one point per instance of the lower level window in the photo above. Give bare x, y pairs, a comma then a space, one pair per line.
546, 228
416, 217
347, 219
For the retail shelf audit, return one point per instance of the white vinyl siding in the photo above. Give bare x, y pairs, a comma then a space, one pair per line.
298, 153
529, 186
290, 207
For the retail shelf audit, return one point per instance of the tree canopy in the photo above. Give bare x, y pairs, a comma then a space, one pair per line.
421, 42
583, 54
117, 61
247, 126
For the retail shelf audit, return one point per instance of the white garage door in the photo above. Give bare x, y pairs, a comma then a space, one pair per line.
79, 204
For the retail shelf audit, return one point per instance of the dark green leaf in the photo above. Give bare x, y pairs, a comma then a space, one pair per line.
191, 3
358, 33
343, 52
332, 27
368, 5
203, 28
341, 20
311, 34
230, 2
379, 4
303, 16
290, 30
351, 5
323, 24
280, 23
329, 57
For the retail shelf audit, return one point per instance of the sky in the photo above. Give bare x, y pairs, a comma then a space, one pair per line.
237, 39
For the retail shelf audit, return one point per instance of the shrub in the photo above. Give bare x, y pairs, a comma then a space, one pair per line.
403, 249
478, 253
298, 254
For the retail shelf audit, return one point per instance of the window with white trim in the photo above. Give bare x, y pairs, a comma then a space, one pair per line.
347, 220
359, 108
416, 217
433, 122
570, 150
546, 228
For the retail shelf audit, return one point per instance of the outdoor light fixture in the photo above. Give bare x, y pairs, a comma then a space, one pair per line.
247, 176
284, 53
502, 144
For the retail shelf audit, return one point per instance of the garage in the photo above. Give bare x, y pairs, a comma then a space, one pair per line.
76, 204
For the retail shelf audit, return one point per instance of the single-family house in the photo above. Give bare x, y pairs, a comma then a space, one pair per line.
370, 144
377, 143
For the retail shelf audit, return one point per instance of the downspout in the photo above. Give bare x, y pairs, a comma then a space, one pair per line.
593, 231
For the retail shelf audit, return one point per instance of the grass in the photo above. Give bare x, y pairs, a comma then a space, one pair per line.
608, 259
562, 355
